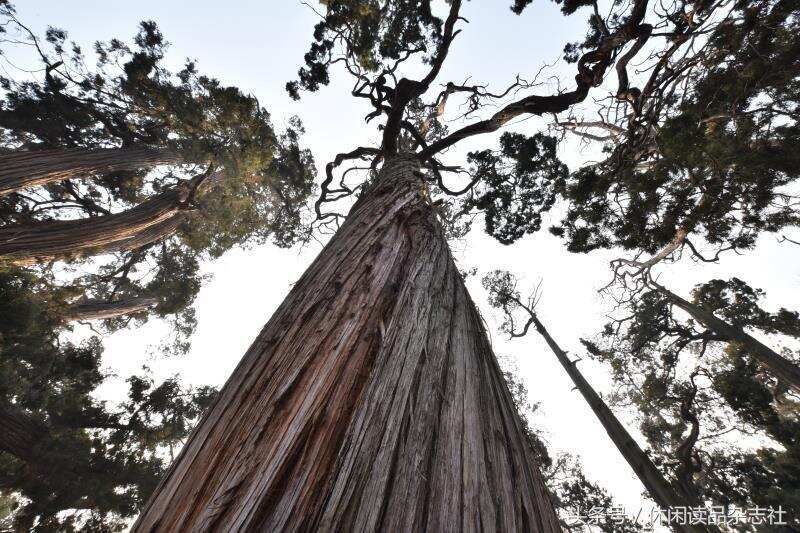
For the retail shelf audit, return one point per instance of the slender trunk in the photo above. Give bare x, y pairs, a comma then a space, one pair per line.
19, 170
780, 367
20, 434
370, 401
654, 482
103, 309
46, 241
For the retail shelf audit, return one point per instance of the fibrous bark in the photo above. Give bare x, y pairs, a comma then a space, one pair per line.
19, 170
20, 434
371, 400
780, 367
654, 482
103, 309
148, 236
45, 241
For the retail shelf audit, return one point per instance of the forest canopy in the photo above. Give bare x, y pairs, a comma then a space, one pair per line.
122, 177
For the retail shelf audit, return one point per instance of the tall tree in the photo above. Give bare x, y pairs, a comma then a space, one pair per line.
111, 125
703, 396
575, 497
371, 399
135, 174
503, 294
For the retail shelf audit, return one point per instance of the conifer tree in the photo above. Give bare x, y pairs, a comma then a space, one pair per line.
504, 295
372, 400
69, 462
162, 169
702, 396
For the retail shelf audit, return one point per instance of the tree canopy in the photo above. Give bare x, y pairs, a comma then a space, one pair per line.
71, 462
692, 106
701, 396
240, 182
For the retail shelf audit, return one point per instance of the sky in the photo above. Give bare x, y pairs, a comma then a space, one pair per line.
258, 45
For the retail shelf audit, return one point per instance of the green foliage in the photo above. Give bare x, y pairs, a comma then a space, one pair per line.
515, 185
568, 7
715, 156
96, 462
129, 98
126, 97
737, 303
374, 32
738, 381
683, 378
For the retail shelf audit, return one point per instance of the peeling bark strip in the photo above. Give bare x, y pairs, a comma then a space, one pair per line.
780, 367
45, 241
102, 309
371, 400
657, 486
19, 170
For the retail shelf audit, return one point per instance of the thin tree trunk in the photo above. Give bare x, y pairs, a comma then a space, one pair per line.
46, 241
654, 482
371, 400
780, 367
19, 170
103, 309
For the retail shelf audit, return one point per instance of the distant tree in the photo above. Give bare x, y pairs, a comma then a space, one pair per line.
504, 295
574, 496
700, 394
69, 462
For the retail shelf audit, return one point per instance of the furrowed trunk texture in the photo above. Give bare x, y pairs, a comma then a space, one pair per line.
103, 309
370, 401
19, 433
19, 170
46, 241
780, 367
654, 482
147, 236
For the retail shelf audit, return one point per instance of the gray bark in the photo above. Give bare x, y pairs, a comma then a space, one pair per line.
65, 239
654, 482
20, 170
370, 401
780, 367
102, 309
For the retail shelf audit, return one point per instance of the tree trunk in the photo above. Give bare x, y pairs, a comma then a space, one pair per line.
19, 170
654, 482
19, 433
780, 367
370, 401
148, 236
103, 309
46, 241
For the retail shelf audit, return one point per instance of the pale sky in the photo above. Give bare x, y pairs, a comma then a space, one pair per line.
258, 46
